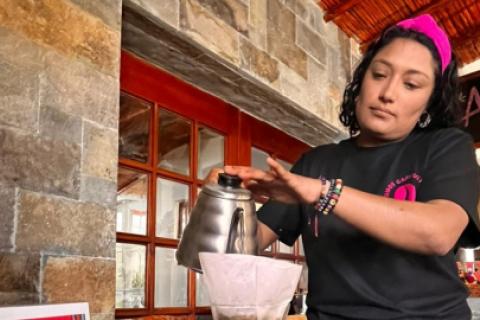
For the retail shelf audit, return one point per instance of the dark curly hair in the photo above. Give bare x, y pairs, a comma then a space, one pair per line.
444, 104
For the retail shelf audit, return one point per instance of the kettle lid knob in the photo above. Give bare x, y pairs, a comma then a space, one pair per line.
227, 180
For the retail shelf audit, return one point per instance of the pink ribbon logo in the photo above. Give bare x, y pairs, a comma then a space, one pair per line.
406, 192
404, 188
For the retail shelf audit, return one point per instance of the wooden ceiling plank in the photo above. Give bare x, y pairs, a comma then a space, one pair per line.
463, 40
431, 8
340, 9
457, 17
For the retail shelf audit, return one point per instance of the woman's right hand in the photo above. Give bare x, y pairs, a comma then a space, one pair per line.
279, 184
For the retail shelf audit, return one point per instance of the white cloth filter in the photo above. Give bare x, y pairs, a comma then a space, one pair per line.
246, 287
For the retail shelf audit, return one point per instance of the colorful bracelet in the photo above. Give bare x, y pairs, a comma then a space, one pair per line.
332, 196
326, 203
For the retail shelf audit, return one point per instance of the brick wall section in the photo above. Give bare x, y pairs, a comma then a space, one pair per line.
59, 91
283, 43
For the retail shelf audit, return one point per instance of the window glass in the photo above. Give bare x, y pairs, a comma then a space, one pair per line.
130, 276
170, 280
257, 207
285, 164
283, 248
132, 201
300, 242
202, 298
172, 208
174, 142
134, 126
210, 151
259, 158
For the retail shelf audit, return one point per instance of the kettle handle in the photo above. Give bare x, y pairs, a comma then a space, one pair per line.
237, 219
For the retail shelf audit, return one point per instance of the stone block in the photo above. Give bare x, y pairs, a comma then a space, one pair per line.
281, 38
56, 124
299, 7
73, 279
346, 59
18, 97
166, 10
79, 89
317, 91
20, 276
314, 17
292, 85
208, 30
61, 25
258, 61
100, 152
338, 67
233, 12
18, 298
18, 50
311, 42
100, 191
7, 216
61, 226
39, 164
257, 29
332, 33
102, 316
109, 11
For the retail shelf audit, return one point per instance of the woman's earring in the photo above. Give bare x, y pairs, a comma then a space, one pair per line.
424, 120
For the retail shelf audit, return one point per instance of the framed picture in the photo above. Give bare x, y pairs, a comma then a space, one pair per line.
64, 311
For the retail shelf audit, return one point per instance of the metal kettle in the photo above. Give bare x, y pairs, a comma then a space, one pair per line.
223, 220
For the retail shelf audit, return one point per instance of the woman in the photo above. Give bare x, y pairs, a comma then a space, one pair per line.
381, 213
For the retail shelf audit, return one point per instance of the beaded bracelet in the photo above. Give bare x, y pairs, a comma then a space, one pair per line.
331, 198
326, 203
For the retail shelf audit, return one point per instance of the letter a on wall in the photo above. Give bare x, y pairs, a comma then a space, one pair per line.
471, 110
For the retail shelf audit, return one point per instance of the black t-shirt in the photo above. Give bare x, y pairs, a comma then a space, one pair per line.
354, 276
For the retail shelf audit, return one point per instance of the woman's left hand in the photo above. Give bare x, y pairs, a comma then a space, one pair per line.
278, 183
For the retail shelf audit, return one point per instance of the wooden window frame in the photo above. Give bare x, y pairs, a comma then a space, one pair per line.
149, 83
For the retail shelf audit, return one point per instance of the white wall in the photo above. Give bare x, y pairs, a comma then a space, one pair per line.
469, 68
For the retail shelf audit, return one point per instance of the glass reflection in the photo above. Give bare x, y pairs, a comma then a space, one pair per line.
302, 251
170, 280
132, 193
172, 208
174, 142
134, 124
259, 159
210, 151
130, 276
258, 205
201, 293
283, 248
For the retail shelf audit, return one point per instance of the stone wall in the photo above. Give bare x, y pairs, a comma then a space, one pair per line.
59, 89
282, 44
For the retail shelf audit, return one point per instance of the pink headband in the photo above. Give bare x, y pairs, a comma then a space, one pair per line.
426, 24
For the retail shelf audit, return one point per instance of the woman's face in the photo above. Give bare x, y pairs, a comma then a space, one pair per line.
395, 91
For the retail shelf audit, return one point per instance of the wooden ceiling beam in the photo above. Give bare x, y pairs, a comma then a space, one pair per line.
339, 9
